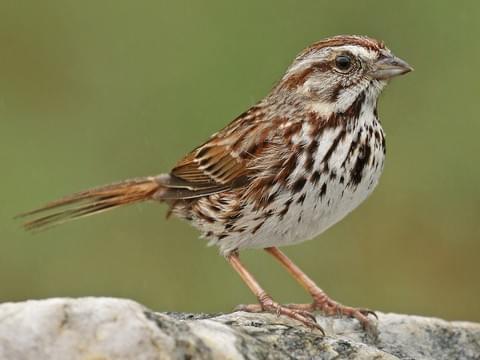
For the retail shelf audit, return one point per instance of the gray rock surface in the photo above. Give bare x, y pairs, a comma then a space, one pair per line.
106, 328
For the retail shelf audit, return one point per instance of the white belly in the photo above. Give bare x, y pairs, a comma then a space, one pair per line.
336, 193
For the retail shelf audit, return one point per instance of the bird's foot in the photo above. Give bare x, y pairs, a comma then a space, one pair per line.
268, 305
330, 307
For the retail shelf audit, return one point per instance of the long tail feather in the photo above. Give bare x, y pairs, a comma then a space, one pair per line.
91, 202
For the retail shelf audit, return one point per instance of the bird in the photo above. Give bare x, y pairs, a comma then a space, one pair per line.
283, 172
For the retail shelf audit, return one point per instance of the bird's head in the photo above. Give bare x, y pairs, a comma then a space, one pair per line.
332, 73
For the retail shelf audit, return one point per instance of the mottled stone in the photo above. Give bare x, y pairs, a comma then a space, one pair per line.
106, 328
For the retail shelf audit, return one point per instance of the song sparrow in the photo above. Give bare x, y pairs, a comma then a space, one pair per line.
280, 173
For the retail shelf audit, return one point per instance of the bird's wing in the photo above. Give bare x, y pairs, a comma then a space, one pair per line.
225, 160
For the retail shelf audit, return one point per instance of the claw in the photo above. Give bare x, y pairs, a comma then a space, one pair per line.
309, 315
367, 312
330, 307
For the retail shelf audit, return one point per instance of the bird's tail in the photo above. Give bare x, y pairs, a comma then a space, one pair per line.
91, 202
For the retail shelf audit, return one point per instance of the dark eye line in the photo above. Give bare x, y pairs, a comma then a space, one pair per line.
328, 65
321, 66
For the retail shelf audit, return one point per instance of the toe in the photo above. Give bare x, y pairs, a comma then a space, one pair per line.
303, 316
307, 320
367, 312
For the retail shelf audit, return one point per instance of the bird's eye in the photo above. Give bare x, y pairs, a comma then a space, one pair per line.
343, 62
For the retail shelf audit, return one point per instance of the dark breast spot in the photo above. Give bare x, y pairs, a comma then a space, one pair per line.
333, 146
309, 163
312, 147
353, 146
298, 185
301, 199
257, 227
315, 177
362, 160
323, 190
284, 211
271, 198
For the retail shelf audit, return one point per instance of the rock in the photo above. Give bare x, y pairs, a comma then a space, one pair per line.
106, 328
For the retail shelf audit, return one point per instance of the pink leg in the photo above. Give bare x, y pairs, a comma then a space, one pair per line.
266, 302
320, 299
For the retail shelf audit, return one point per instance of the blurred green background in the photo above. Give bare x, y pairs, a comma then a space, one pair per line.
97, 91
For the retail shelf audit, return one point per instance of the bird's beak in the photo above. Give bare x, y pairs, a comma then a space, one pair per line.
388, 67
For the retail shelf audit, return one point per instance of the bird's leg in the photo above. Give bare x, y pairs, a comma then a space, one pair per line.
266, 303
321, 301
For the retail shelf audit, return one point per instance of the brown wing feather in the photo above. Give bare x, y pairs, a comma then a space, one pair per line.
224, 160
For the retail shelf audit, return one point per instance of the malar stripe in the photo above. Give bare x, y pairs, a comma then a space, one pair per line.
354, 110
353, 146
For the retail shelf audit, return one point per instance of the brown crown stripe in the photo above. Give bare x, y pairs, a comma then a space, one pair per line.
342, 40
